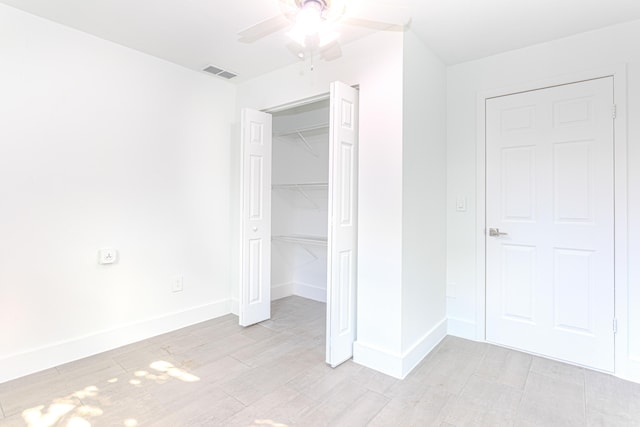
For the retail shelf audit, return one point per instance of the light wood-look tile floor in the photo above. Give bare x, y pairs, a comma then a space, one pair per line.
273, 374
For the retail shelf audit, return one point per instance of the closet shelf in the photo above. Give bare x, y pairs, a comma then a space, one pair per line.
303, 186
302, 239
300, 132
304, 129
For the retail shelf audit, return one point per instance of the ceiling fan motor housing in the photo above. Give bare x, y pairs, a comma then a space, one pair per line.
322, 6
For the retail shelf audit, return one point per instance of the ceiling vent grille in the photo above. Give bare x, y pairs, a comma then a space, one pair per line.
212, 69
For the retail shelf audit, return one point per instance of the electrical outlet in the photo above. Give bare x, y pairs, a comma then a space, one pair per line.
177, 285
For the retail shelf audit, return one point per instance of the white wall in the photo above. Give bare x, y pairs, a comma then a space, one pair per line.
608, 47
424, 199
374, 63
401, 265
102, 146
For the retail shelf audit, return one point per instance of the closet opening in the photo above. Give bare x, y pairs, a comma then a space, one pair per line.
299, 214
299, 201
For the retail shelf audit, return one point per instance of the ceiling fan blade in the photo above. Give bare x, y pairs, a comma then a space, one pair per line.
372, 25
263, 29
331, 52
296, 49
380, 16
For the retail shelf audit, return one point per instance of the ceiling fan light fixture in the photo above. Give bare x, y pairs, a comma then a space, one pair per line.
326, 35
311, 23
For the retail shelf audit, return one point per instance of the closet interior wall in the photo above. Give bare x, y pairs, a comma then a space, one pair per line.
299, 226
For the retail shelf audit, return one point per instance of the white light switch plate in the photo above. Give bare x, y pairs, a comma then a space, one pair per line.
107, 256
461, 204
177, 285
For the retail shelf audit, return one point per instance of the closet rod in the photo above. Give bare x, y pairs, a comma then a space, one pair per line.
303, 240
307, 185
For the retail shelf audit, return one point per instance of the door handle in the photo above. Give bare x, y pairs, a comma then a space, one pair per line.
255, 229
495, 232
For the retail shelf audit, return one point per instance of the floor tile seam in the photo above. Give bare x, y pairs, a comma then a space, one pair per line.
464, 386
584, 395
325, 396
626, 417
240, 361
519, 416
559, 379
381, 393
120, 365
372, 417
508, 386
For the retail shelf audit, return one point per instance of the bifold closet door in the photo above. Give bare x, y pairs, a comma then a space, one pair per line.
255, 284
342, 236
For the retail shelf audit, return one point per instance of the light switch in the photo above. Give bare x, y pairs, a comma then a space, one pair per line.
461, 204
107, 256
177, 285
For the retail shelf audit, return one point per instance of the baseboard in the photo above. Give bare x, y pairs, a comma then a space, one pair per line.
235, 306
628, 368
310, 292
461, 328
377, 359
300, 289
412, 357
281, 291
29, 362
395, 364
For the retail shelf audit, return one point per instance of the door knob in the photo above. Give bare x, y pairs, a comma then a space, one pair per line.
495, 232
255, 229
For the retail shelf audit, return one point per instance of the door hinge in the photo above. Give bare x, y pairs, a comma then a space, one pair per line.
615, 325
614, 111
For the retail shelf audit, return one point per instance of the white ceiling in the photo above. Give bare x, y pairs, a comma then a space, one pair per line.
195, 33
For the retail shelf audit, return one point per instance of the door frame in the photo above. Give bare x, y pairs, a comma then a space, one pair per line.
619, 74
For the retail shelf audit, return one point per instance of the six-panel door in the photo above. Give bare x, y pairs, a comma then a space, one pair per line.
550, 279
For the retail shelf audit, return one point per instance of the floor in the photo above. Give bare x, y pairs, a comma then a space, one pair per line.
273, 374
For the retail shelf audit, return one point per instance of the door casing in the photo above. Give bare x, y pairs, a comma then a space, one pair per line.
619, 74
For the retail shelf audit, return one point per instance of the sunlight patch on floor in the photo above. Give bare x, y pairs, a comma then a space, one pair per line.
181, 374
268, 423
71, 412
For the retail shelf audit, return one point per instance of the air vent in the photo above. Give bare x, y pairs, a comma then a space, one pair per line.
212, 69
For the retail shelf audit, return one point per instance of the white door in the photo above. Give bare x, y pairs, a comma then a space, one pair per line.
255, 284
550, 276
342, 233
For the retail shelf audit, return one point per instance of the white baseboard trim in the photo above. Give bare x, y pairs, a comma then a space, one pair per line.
395, 364
310, 292
462, 328
299, 289
629, 369
412, 357
281, 291
235, 306
29, 362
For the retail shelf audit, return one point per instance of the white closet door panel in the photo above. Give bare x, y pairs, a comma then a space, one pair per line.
342, 236
255, 287
550, 280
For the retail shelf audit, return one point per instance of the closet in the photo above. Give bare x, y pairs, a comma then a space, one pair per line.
299, 211
299, 201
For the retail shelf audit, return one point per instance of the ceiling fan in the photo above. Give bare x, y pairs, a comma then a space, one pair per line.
312, 24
